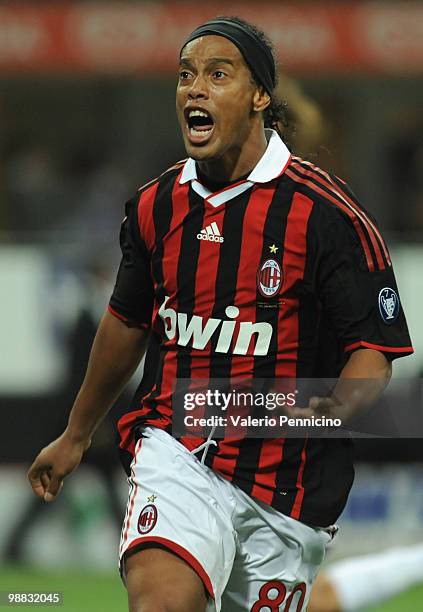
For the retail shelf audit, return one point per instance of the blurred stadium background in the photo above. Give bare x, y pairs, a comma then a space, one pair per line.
86, 116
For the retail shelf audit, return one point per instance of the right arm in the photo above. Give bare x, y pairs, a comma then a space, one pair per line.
118, 347
117, 350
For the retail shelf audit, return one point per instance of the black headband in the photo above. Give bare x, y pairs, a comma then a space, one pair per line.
256, 54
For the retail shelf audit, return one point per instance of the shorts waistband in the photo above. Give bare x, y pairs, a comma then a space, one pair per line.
169, 440
166, 438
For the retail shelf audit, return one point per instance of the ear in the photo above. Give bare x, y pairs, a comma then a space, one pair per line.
261, 100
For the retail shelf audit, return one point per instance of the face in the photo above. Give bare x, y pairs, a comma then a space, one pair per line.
216, 98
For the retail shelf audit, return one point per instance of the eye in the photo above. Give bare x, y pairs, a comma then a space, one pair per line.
183, 75
219, 74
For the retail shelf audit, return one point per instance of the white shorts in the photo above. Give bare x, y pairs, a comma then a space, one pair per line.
249, 556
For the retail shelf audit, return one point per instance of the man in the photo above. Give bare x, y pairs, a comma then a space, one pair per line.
359, 582
245, 527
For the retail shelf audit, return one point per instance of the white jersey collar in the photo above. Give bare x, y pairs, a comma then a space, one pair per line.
271, 165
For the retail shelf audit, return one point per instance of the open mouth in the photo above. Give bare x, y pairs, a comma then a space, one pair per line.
200, 125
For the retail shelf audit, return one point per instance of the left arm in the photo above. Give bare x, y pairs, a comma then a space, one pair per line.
360, 301
360, 385
373, 372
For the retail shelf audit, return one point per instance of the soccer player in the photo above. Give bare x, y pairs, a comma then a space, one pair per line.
359, 582
239, 262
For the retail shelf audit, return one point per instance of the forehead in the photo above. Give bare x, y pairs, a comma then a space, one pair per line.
208, 47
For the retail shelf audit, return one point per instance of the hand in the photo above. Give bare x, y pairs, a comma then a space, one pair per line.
317, 407
54, 462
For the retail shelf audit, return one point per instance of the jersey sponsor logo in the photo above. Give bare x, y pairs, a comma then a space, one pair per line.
211, 233
198, 331
388, 305
269, 278
147, 518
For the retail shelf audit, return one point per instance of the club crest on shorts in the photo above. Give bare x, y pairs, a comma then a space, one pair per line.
388, 305
147, 518
269, 278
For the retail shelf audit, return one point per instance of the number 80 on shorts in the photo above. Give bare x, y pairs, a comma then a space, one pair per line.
273, 594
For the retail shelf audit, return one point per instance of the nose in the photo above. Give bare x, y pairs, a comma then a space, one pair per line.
198, 89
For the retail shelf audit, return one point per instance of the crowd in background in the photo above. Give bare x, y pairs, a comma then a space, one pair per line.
72, 152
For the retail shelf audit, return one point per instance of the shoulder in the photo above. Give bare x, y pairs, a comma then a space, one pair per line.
139, 209
331, 196
144, 198
337, 209
168, 175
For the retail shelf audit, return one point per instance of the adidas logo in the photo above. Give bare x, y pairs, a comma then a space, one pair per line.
211, 233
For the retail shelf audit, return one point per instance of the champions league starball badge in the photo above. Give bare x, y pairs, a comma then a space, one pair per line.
388, 305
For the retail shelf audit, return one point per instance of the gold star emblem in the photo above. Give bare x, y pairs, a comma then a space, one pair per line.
273, 248
152, 498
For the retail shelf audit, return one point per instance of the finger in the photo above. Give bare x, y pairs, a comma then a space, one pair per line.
322, 405
315, 402
35, 478
299, 413
56, 483
45, 479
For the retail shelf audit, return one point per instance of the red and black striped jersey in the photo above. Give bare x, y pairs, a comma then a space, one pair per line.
275, 276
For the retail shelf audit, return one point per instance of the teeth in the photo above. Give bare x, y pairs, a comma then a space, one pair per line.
204, 133
197, 113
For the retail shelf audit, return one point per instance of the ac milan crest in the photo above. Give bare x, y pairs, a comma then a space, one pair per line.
147, 518
269, 278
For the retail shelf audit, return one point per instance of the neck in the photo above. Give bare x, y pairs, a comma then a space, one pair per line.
235, 162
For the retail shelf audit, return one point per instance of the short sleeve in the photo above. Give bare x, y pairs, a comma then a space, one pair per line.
362, 305
133, 294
